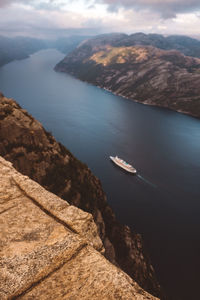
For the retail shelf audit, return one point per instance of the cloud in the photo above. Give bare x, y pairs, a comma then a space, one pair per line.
166, 8
39, 4
53, 18
4, 3
23, 21
48, 4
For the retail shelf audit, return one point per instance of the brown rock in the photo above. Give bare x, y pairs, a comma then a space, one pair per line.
48, 247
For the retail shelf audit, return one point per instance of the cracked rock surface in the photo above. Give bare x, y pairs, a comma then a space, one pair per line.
50, 249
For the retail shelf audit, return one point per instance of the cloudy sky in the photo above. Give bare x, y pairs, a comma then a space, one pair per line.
54, 18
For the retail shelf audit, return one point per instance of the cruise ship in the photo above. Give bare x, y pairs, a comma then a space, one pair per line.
124, 165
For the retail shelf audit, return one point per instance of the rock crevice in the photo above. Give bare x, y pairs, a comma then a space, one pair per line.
41, 258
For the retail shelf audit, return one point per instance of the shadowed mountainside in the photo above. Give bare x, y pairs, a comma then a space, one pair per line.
68, 44
21, 47
35, 152
18, 48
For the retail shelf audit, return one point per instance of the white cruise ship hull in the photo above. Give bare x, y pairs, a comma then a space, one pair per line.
129, 169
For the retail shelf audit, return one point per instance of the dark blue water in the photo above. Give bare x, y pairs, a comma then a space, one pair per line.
163, 201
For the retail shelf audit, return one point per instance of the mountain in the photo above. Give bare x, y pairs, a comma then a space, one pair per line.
184, 44
18, 48
187, 45
35, 153
131, 67
21, 47
66, 45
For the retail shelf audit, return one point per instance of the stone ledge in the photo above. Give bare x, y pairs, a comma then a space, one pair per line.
48, 247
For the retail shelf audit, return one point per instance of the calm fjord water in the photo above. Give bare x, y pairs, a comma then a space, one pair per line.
163, 202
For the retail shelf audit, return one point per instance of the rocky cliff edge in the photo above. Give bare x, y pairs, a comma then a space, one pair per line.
35, 153
50, 249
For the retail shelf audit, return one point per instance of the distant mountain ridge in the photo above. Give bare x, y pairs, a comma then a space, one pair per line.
187, 45
136, 67
18, 48
66, 45
21, 47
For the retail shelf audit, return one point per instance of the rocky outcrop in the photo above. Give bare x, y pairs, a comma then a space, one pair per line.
35, 153
50, 249
146, 74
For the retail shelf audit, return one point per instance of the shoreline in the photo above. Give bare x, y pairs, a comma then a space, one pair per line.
186, 113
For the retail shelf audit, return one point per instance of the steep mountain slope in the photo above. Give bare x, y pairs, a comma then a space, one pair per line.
146, 74
35, 152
